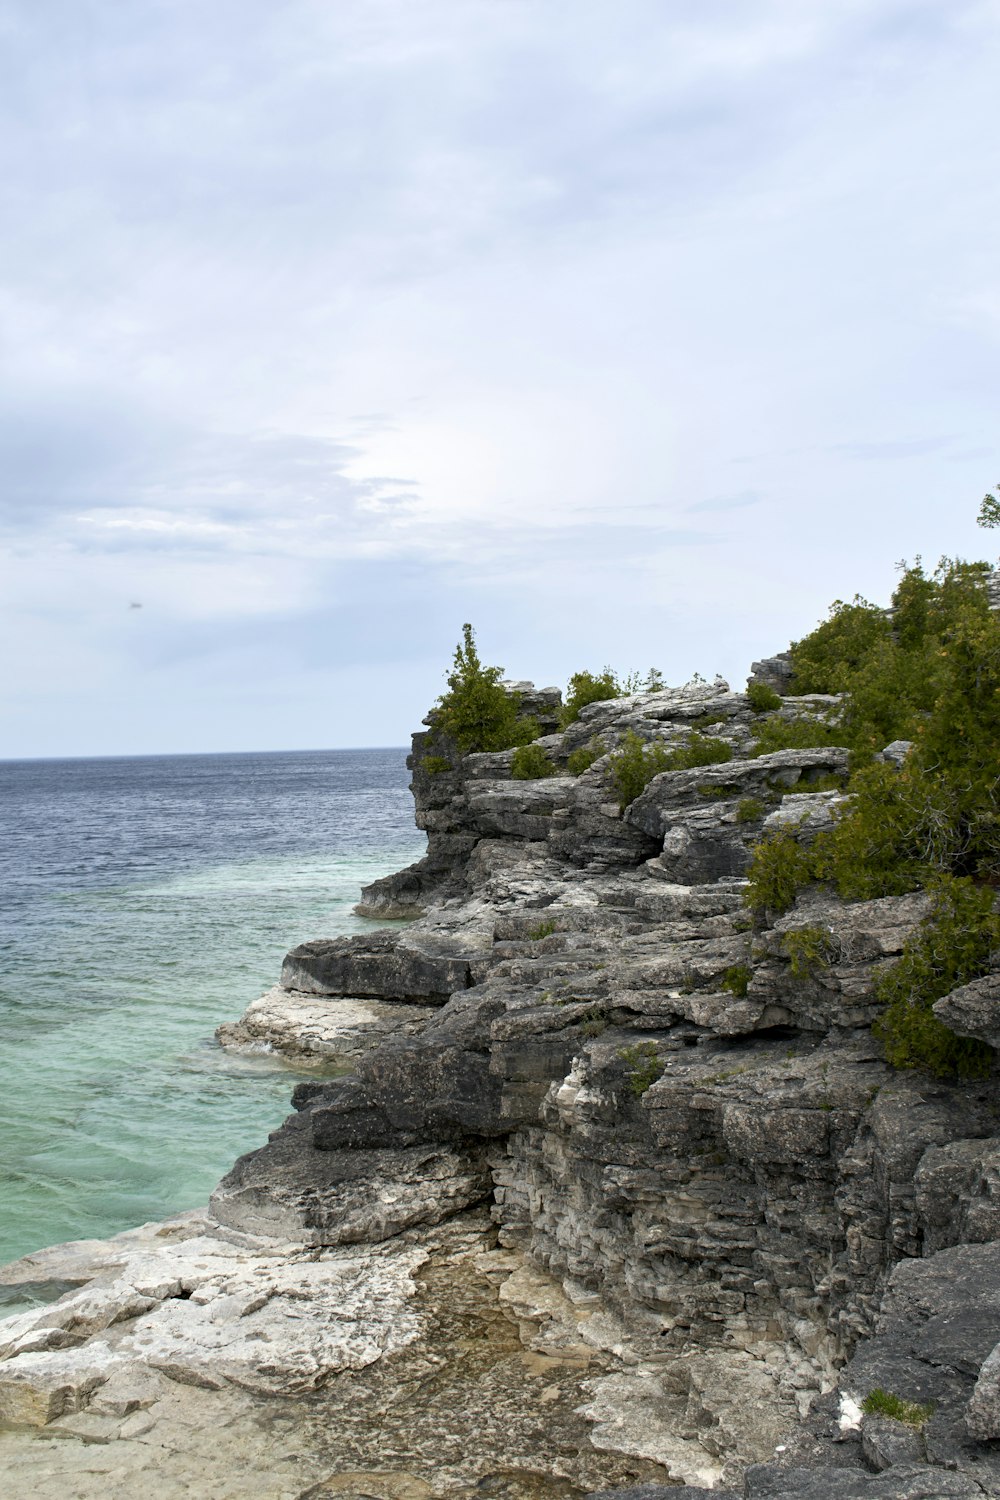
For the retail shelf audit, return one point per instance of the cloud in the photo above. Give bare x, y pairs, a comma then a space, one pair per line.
719, 503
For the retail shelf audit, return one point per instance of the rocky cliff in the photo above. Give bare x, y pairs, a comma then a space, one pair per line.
677, 1113
714, 1203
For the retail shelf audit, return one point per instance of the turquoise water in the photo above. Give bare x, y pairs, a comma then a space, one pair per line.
144, 902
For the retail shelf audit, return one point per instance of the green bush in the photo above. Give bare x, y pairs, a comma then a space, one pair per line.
762, 699
699, 750
584, 688
476, 711
581, 760
778, 868
736, 980
530, 763
955, 943
808, 950
633, 765
644, 1061
749, 809
777, 733
436, 765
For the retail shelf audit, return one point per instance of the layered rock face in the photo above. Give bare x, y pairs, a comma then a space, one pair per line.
677, 1113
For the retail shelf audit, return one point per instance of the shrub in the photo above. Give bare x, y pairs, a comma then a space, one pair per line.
779, 866
777, 733
700, 750
955, 943
436, 765
530, 763
737, 980
477, 711
749, 809
584, 688
884, 1404
762, 699
807, 949
644, 1061
633, 765
581, 760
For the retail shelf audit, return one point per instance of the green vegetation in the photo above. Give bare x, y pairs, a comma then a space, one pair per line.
644, 1061
476, 711
779, 866
542, 930
581, 760
808, 950
762, 699
749, 809
777, 733
884, 1404
737, 980
599, 687
584, 688
955, 943
531, 763
436, 765
634, 764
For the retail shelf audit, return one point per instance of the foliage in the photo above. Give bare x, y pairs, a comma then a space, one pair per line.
807, 949
436, 765
581, 760
762, 699
955, 943
634, 763
477, 712
644, 1061
542, 930
778, 733
884, 1404
778, 867
584, 688
824, 661
749, 809
736, 980
989, 511
531, 763
699, 750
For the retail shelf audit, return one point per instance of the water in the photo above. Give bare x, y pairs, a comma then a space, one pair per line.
142, 902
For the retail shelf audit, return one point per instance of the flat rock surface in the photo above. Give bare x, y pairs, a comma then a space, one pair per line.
410, 1383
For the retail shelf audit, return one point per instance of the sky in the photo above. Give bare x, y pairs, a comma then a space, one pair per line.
633, 333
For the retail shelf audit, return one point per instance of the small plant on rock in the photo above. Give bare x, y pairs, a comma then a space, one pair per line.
736, 980
807, 949
581, 760
531, 763
435, 765
762, 699
587, 687
541, 930
884, 1404
644, 1061
749, 810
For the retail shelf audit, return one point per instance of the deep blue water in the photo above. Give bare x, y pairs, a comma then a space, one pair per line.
142, 902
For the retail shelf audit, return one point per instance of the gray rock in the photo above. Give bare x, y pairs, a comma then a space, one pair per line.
911, 1482
896, 753
973, 1010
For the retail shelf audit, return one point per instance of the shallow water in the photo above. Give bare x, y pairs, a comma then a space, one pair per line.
142, 902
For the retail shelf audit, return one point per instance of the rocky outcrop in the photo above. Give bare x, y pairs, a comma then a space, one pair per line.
675, 1114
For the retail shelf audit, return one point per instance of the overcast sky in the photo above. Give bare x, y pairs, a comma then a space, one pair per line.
633, 332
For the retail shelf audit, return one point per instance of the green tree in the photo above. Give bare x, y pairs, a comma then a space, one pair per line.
477, 711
